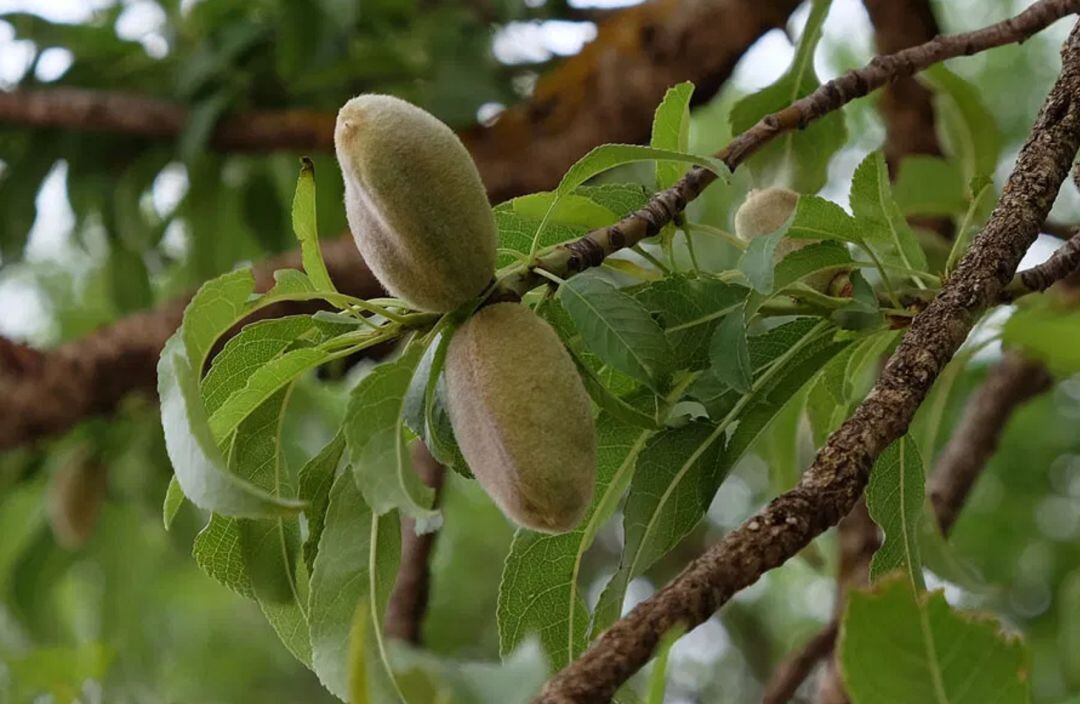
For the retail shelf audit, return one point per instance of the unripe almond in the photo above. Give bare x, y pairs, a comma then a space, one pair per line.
762, 213
522, 417
73, 502
415, 203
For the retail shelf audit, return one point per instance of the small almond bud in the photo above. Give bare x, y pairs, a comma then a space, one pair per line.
73, 501
415, 203
522, 417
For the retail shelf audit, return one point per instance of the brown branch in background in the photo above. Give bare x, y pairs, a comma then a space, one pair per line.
794, 669
91, 375
1009, 384
832, 484
604, 94
1060, 264
409, 599
601, 95
591, 250
906, 106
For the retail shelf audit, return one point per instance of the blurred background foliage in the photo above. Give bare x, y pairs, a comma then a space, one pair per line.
94, 226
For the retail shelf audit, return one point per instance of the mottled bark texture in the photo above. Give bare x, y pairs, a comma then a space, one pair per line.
605, 94
589, 251
409, 598
835, 480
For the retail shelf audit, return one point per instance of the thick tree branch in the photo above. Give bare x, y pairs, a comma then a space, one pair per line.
604, 94
591, 250
835, 480
49, 392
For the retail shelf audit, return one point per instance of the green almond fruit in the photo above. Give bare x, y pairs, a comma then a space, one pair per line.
415, 203
522, 417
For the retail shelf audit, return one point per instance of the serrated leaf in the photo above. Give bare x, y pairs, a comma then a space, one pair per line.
374, 432
758, 261
796, 159
894, 498
819, 219
214, 308
884, 228
539, 593
971, 134
199, 466
315, 479
676, 476
729, 353
305, 225
671, 130
900, 647
689, 311
617, 329
341, 578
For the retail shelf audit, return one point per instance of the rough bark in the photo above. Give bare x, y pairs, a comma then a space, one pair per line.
605, 94
835, 480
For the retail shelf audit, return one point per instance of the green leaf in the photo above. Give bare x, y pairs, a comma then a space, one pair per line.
385, 555
730, 354
198, 463
315, 479
341, 579
261, 385
677, 474
819, 219
982, 200
306, 228
357, 664
608, 401
883, 226
929, 185
797, 159
216, 307
900, 647
1040, 329
894, 498
617, 329
571, 209
539, 593
671, 130
802, 266
174, 499
689, 311
658, 676
376, 440
758, 261
970, 133
608, 156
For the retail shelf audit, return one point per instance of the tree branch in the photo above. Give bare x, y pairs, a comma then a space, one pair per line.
409, 599
603, 94
835, 480
1009, 384
591, 250
606, 93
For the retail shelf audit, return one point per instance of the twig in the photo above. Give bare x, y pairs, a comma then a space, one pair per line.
590, 250
409, 599
1040, 277
794, 669
835, 480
